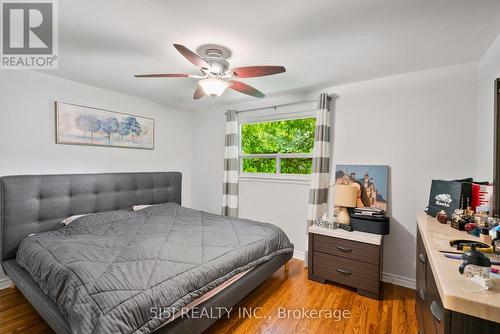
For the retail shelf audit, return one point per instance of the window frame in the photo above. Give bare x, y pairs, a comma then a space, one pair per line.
278, 176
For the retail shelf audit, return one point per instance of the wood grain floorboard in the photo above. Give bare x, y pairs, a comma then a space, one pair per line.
18, 316
284, 291
293, 291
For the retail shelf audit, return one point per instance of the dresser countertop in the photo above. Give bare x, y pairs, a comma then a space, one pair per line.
457, 292
369, 238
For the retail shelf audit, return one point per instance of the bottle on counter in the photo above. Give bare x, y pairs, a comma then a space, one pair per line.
485, 236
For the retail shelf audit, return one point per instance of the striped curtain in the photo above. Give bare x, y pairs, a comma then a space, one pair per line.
231, 166
320, 177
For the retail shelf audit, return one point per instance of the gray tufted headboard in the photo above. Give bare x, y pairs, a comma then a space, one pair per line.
38, 203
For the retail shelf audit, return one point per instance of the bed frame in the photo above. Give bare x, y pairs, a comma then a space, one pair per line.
37, 203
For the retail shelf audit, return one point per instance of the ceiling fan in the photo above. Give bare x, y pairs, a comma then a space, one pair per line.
216, 75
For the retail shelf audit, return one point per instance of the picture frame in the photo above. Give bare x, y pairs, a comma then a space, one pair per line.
373, 181
89, 126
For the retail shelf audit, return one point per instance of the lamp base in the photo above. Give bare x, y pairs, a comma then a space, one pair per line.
343, 216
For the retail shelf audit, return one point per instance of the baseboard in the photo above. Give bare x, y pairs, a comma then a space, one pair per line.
5, 283
405, 282
299, 255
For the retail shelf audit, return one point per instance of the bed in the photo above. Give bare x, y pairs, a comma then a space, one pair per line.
117, 270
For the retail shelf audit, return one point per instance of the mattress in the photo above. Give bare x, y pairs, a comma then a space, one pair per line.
108, 271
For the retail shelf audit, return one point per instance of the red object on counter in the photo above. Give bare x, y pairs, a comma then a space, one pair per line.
470, 226
482, 195
442, 217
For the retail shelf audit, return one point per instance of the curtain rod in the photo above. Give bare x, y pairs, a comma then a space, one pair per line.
275, 106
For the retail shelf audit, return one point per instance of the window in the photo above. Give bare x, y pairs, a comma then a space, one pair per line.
278, 146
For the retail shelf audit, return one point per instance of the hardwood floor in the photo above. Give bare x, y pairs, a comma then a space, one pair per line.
293, 291
283, 292
18, 316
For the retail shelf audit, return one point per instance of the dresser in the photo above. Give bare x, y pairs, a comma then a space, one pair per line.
350, 258
445, 301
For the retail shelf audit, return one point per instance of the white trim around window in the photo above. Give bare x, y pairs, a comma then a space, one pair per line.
274, 177
278, 116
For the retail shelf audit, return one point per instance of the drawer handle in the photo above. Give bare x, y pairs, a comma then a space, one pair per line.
437, 311
344, 249
421, 293
342, 271
421, 258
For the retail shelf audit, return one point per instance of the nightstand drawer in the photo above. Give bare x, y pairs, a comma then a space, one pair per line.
347, 248
364, 276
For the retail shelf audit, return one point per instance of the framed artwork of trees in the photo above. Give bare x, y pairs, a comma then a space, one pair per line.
80, 125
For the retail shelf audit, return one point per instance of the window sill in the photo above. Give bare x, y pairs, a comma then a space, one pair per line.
275, 178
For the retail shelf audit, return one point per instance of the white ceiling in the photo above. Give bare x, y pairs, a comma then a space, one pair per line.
320, 42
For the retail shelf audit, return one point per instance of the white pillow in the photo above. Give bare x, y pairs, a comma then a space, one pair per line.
140, 207
72, 219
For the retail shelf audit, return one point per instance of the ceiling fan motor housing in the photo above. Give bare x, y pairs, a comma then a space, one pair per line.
214, 58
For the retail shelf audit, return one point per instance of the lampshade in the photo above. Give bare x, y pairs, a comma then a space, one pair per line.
345, 195
213, 87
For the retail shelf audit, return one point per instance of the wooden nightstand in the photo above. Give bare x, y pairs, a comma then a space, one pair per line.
349, 258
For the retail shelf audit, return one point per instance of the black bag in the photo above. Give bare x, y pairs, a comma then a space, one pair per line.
466, 194
445, 195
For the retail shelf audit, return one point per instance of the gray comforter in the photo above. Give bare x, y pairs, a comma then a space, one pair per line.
107, 271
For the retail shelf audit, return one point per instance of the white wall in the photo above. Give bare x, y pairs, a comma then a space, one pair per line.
420, 124
283, 204
27, 131
488, 71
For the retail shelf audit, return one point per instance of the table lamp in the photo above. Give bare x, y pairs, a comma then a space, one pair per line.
345, 197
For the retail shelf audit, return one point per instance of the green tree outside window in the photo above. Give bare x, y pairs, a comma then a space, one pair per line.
278, 138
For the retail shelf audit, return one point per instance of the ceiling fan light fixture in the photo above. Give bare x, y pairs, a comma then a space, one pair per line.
217, 75
213, 87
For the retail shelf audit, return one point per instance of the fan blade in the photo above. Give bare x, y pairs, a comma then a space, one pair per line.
257, 71
198, 93
161, 75
245, 89
194, 58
